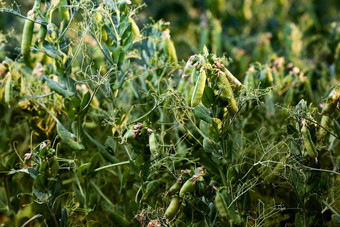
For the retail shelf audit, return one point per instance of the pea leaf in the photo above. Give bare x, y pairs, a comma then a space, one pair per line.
208, 97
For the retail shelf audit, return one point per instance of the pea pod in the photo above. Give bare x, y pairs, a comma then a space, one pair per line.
227, 92
152, 143
173, 208
37, 5
325, 122
220, 205
63, 11
8, 89
42, 33
188, 186
53, 30
169, 46
231, 78
199, 88
307, 142
188, 68
68, 138
134, 27
27, 35
176, 187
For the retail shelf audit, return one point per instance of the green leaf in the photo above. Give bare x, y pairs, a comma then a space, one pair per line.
208, 97
215, 129
151, 189
337, 127
40, 183
79, 195
83, 105
204, 127
63, 221
207, 161
115, 215
72, 107
201, 112
118, 55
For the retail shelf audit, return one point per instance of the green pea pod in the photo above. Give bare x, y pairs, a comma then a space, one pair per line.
216, 37
53, 30
63, 11
227, 92
27, 35
134, 27
42, 33
269, 75
152, 143
55, 86
199, 88
169, 46
188, 186
68, 138
175, 187
231, 78
193, 76
220, 205
8, 89
189, 93
172, 209
37, 5
188, 68
308, 143
326, 122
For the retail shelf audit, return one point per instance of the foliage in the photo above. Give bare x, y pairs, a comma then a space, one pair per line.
109, 119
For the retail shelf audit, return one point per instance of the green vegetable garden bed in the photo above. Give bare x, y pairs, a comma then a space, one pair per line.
179, 113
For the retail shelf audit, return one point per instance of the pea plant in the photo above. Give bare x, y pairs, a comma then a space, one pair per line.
103, 123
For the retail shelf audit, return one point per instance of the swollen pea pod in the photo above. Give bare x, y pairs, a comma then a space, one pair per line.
55, 86
169, 46
279, 166
8, 89
68, 138
308, 143
63, 11
220, 205
36, 6
332, 100
100, 20
27, 35
199, 88
134, 27
269, 75
231, 78
175, 187
42, 33
216, 36
188, 68
173, 208
188, 186
53, 31
193, 75
326, 122
152, 143
227, 92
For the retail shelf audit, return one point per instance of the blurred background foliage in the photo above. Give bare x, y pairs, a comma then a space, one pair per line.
245, 30
253, 35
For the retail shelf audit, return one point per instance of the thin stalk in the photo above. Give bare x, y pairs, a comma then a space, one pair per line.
101, 193
112, 165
